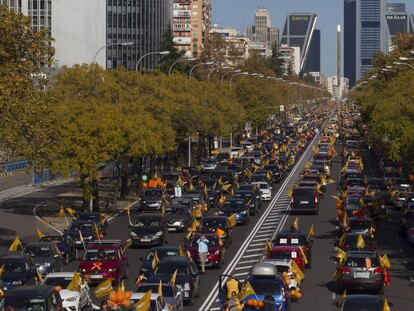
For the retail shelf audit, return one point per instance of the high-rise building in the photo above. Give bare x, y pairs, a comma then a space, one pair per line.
80, 28
143, 22
290, 56
299, 31
398, 21
77, 27
364, 36
264, 37
191, 25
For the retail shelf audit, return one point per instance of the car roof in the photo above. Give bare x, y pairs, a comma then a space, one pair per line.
30, 290
39, 244
362, 254
263, 269
104, 244
171, 260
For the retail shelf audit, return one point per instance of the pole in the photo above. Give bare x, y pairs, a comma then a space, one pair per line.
189, 150
231, 139
338, 65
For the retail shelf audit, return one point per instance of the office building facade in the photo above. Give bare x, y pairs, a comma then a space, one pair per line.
364, 35
397, 21
191, 25
299, 31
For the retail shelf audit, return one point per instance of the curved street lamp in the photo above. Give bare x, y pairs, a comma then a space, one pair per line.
180, 61
150, 53
213, 70
108, 45
197, 65
237, 74
231, 71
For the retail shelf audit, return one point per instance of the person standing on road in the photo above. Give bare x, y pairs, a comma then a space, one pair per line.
203, 251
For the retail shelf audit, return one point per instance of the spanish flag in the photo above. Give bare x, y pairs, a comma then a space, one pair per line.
15, 245
75, 284
268, 248
173, 278
360, 242
295, 225
103, 289
155, 261
39, 233
386, 306
311, 233
246, 291
144, 303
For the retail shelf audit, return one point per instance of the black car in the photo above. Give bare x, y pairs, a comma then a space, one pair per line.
238, 207
98, 219
210, 224
162, 252
304, 200
149, 230
178, 217
253, 189
33, 297
187, 276
78, 228
18, 270
46, 257
152, 200
361, 303
250, 199
66, 246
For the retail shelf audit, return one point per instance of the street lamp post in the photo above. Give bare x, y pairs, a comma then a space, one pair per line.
213, 70
197, 65
231, 71
403, 64
237, 74
150, 53
108, 45
179, 61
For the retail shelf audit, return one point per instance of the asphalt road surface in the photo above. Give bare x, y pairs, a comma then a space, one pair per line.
248, 245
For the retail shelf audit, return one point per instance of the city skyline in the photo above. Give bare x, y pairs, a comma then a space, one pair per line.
330, 13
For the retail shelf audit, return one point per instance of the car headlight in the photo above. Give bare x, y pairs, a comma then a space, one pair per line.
71, 299
133, 234
178, 222
187, 286
17, 282
112, 270
158, 234
46, 264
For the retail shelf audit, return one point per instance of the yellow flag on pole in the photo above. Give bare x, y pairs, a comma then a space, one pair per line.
295, 225
246, 291
155, 261
15, 244
75, 284
71, 211
61, 212
268, 248
360, 242
385, 262
311, 233
159, 292
1, 270
173, 278
39, 233
103, 289
304, 258
144, 303
180, 250
386, 306
298, 271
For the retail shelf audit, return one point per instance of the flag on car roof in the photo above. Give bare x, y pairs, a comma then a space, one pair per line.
103, 289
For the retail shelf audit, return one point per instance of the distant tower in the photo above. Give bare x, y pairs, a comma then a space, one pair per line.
338, 64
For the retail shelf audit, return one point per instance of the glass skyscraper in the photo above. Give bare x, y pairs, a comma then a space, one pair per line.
364, 36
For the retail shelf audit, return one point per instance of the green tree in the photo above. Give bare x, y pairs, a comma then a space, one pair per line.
167, 44
275, 63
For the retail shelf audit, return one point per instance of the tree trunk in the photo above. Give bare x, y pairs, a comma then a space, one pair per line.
95, 195
124, 180
85, 193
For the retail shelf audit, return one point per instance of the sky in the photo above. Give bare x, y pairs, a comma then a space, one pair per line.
240, 13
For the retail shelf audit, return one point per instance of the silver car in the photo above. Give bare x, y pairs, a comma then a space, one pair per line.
172, 294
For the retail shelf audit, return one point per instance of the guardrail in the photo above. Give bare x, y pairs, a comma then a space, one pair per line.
14, 166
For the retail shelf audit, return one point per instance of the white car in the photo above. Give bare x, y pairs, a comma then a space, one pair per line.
236, 152
209, 164
248, 146
157, 303
71, 300
265, 191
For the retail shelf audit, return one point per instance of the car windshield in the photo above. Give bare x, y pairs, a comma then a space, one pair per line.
13, 266
260, 287
213, 224
281, 269
359, 224
24, 304
234, 204
161, 254
80, 226
263, 186
352, 200
174, 209
152, 193
61, 281
362, 304
99, 254
89, 217
35, 251
170, 269
148, 222
167, 291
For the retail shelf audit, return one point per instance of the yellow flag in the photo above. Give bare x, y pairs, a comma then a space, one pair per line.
39, 233
345, 219
1, 270
232, 220
335, 276
75, 284
360, 242
299, 273
103, 289
246, 291
174, 276
295, 225
180, 250
128, 244
15, 245
70, 211
344, 294
61, 212
335, 197
305, 260
1, 294
340, 254
159, 292
268, 248
227, 187
311, 233
386, 306
96, 230
385, 262
144, 303
155, 261
39, 278
140, 279
342, 239
122, 286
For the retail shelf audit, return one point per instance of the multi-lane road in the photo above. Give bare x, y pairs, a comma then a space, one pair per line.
248, 243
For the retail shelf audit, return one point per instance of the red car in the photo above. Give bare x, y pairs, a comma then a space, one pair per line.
104, 260
287, 253
215, 256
